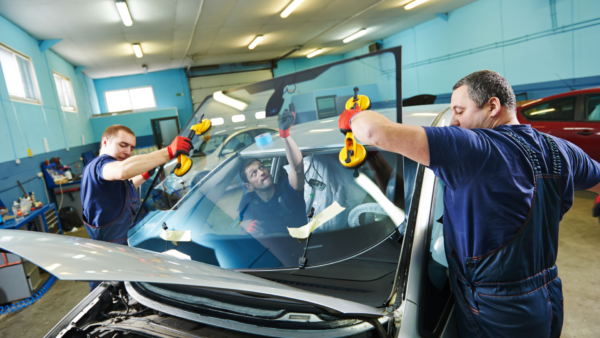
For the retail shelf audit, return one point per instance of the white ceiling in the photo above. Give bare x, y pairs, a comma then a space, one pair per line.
94, 36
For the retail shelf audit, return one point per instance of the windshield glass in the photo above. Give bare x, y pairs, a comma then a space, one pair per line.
290, 202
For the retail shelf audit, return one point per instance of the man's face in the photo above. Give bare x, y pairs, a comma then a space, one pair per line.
119, 146
258, 176
465, 112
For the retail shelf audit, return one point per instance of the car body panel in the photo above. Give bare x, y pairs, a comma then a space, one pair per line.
580, 131
70, 258
249, 328
324, 134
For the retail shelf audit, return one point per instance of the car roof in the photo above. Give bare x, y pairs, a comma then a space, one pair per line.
566, 94
324, 134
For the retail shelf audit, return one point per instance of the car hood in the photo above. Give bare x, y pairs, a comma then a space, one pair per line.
72, 258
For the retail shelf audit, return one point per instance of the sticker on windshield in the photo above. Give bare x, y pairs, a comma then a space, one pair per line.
321, 218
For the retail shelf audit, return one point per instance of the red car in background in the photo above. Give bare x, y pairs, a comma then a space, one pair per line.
573, 116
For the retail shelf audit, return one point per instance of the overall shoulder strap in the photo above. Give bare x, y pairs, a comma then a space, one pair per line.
535, 163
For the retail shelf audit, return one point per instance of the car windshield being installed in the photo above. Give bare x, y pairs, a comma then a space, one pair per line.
335, 213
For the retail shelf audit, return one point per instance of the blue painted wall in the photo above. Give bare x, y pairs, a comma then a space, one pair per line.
25, 125
165, 85
142, 128
517, 38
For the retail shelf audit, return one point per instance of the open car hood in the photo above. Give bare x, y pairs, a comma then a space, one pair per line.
72, 258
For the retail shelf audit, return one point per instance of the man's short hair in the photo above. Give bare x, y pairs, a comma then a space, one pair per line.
485, 84
246, 164
114, 130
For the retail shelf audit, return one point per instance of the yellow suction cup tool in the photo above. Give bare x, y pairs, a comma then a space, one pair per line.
362, 100
353, 155
184, 164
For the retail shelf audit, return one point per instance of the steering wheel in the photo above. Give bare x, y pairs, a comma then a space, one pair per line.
371, 209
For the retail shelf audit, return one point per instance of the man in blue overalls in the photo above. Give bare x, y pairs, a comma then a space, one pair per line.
270, 207
108, 184
507, 187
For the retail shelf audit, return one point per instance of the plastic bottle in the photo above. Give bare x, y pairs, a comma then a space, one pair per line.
25, 205
17, 212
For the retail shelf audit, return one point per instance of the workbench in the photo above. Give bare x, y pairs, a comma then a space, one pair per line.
20, 278
43, 219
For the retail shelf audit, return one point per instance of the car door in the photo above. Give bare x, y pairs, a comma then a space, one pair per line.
588, 130
555, 117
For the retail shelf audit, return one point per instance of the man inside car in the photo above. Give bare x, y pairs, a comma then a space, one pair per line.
507, 187
270, 207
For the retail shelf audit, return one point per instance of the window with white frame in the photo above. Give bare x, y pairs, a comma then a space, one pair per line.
129, 99
65, 93
19, 75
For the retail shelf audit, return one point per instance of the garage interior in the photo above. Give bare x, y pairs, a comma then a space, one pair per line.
71, 68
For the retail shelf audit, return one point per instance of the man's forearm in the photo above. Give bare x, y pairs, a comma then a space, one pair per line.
375, 129
294, 157
135, 165
138, 180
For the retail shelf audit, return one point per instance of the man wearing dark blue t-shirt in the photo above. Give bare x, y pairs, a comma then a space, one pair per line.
507, 187
271, 207
108, 182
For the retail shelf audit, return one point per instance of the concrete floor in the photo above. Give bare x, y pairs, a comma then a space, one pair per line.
578, 264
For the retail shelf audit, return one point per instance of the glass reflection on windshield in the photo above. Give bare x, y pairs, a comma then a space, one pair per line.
234, 226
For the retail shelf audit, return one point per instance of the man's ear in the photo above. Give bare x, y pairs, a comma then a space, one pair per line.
103, 142
248, 186
495, 106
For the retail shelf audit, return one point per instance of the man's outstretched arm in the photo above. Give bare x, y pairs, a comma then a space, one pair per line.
294, 157
287, 118
137, 165
375, 129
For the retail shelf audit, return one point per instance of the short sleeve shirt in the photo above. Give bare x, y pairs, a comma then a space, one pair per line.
489, 181
286, 208
102, 200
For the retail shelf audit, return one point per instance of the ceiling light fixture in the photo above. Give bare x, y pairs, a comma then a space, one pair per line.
137, 49
315, 53
255, 42
290, 8
238, 118
414, 4
260, 115
124, 12
224, 99
217, 121
355, 35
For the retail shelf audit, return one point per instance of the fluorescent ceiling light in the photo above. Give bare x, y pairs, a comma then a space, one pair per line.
414, 4
290, 8
260, 115
238, 118
217, 121
240, 127
137, 49
124, 12
255, 42
224, 99
315, 53
319, 130
355, 35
